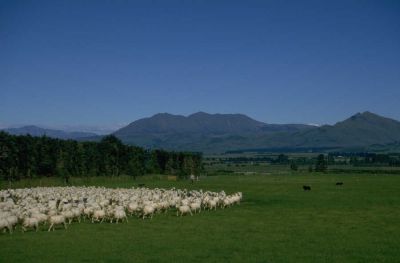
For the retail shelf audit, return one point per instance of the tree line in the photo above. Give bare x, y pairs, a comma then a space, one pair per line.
28, 157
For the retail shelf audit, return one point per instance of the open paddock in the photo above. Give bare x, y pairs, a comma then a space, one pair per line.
276, 222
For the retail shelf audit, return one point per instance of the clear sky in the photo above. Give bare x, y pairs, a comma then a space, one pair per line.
111, 62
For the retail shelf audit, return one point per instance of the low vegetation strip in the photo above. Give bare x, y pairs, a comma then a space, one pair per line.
364, 171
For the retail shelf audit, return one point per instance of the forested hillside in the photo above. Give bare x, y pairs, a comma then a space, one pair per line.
27, 156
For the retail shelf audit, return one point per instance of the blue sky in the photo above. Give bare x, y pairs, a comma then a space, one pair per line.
111, 62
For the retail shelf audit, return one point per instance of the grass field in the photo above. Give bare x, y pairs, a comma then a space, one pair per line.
277, 222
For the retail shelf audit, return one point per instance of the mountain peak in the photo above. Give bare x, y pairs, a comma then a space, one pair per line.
364, 113
368, 113
199, 114
366, 116
163, 114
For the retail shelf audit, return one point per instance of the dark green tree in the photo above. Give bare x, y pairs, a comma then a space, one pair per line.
282, 159
293, 166
136, 163
321, 164
27, 156
110, 148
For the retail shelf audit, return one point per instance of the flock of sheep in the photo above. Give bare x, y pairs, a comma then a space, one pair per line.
60, 206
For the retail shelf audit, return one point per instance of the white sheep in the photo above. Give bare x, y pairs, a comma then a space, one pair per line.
5, 225
183, 209
98, 215
148, 210
119, 214
87, 212
30, 222
57, 220
226, 202
69, 215
42, 218
212, 204
195, 206
62, 205
133, 207
76, 213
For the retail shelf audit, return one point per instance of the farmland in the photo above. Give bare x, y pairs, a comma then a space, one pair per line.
276, 222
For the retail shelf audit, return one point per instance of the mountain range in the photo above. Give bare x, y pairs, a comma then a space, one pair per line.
38, 131
215, 133
225, 132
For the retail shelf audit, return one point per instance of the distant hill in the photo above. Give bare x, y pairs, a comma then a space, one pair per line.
199, 131
214, 133
361, 129
37, 131
393, 147
164, 123
225, 132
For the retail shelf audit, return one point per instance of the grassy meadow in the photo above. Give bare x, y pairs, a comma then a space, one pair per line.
276, 222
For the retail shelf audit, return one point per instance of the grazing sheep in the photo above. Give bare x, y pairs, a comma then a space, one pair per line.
5, 225
196, 206
57, 220
237, 198
119, 214
132, 208
148, 210
52, 212
212, 204
87, 212
76, 213
32, 207
42, 218
69, 215
104, 203
30, 222
99, 215
183, 209
226, 202
12, 220
52, 204
110, 213
163, 206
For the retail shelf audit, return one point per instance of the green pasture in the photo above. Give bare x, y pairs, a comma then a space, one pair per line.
276, 222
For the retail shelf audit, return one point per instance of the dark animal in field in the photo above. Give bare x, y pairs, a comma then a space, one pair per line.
339, 183
306, 188
141, 185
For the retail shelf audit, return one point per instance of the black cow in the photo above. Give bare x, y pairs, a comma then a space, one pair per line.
339, 183
306, 188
